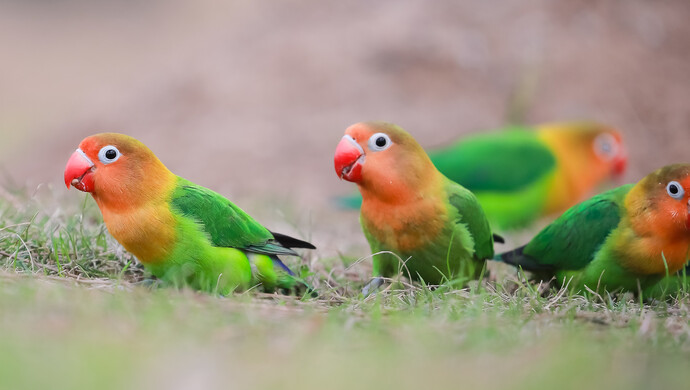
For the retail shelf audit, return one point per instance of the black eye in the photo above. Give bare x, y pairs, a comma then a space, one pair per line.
379, 142
108, 154
675, 190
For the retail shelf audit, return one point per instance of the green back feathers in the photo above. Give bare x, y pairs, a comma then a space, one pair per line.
571, 242
226, 224
487, 162
470, 213
515, 209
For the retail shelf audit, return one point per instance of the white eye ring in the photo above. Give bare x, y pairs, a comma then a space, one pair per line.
606, 146
379, 142
108, 154
675, 190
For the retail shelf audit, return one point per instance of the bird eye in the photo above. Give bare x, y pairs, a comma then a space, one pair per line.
675, 190
606, 146
108, 154
379, 142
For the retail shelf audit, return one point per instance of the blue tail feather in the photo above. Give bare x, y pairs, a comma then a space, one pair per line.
278, 262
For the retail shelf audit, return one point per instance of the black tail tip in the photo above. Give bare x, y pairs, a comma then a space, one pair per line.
291, 242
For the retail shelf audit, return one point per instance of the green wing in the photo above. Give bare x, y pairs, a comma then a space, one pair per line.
499, 162
470, 213
226, 224
571, 241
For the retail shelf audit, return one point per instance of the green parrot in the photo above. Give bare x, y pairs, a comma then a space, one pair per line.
435, 226
183, 233
628, 238
520, 174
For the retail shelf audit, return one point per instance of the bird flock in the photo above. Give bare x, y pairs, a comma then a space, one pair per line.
433, 217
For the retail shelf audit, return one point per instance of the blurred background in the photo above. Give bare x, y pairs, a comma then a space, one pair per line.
250, 98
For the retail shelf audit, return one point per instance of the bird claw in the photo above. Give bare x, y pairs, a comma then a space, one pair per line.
372, 286
150, 283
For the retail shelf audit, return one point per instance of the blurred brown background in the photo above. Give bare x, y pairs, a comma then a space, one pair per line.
250, 97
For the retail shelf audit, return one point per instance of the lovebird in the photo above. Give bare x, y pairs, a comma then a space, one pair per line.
409, 208
183, 233
521, 174
627, 238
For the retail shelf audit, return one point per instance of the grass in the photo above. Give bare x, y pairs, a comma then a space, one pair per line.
72, 316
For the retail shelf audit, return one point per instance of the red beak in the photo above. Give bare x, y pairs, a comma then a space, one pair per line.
348, 159
79, 172
620, 163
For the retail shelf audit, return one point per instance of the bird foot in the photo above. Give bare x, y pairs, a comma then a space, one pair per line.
151, 284
372, 286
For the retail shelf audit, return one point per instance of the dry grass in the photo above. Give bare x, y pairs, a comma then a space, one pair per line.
74, 316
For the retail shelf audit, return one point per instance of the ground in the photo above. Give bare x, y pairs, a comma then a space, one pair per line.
250, 99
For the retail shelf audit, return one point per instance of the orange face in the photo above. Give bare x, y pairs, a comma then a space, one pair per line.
674, 200
381, 158
591, 151
609, 151
661, 201
100, 158
116, 169
659, 213
363, 152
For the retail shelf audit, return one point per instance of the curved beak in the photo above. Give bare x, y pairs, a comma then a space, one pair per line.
79, 172
348, 159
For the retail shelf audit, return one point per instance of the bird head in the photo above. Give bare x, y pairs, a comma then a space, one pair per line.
661, 201
594, 149
113, 165
381, 157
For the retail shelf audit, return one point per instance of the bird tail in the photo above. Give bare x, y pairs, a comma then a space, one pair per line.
280, 264
291, 242
272, 274
518, 258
